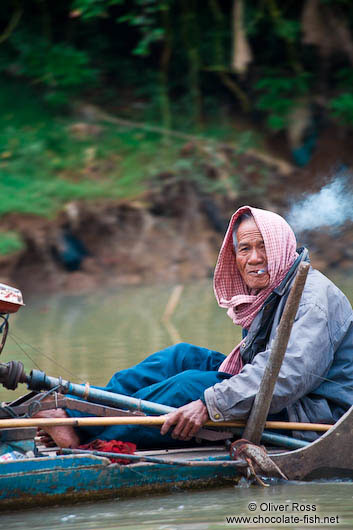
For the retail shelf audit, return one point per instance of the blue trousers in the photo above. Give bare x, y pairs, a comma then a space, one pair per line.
174, 376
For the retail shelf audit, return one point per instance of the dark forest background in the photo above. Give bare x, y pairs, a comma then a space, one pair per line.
110, 99
262, 58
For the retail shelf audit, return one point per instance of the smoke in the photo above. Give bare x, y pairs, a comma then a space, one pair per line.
331, 206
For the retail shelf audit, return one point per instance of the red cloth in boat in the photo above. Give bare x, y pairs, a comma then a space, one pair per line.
113, 446
231, 292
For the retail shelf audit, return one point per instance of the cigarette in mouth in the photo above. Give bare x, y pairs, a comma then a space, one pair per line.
262, 271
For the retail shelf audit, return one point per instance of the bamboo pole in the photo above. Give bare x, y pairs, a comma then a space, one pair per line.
257, 418
149, 421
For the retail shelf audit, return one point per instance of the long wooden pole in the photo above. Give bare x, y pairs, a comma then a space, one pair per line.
257, 418
148, 420
157, 460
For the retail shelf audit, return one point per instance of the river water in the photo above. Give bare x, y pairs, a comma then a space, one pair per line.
87, 337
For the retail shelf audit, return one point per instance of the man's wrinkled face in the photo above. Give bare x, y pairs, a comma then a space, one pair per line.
251, 255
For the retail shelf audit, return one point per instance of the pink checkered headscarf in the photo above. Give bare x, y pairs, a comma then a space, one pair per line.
231, 291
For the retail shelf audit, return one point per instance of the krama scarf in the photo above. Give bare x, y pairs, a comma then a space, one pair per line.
230, 289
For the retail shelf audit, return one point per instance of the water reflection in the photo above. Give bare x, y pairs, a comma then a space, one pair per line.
91, 336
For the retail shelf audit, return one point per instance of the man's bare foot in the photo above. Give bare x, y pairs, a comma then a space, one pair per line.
63, 436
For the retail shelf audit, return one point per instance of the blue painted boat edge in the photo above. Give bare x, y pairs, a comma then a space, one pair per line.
90, 477
28, 465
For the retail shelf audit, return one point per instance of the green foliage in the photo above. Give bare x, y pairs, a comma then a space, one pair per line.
149, 60
288, 30
43, 168
167, 51
344, 77
10, 242
89, 9
145, 16
44, 196
60, 68
279, 94
205, 165
42, 165
342, 107
141, 14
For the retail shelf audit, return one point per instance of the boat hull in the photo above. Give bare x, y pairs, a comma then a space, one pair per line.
70, 479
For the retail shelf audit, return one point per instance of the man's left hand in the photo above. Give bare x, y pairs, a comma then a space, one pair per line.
188, 420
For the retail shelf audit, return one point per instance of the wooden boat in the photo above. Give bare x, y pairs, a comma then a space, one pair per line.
70, 478
53, 477
73, 478
50, 477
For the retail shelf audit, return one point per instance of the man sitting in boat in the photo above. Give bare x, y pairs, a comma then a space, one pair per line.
254, 272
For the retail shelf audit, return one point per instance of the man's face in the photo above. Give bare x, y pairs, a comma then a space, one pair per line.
251, 255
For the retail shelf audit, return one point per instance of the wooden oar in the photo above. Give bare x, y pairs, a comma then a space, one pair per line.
149, 421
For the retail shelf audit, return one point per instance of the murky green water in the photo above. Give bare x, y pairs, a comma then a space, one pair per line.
88, 337
292, 505
91, 336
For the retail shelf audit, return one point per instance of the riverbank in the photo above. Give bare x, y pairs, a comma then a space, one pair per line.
171, 233
143, 205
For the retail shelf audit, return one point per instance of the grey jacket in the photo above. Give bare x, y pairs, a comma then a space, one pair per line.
315, 383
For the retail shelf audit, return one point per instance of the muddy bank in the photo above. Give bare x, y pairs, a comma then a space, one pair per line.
170, 234
107, 242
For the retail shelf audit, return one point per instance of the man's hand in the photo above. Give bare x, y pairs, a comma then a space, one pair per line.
188, 420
